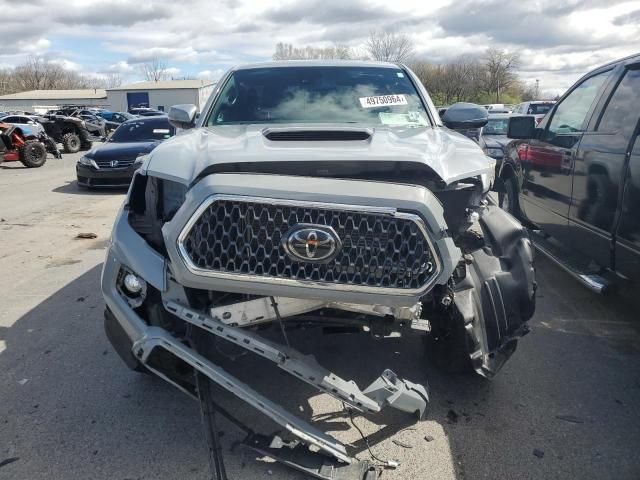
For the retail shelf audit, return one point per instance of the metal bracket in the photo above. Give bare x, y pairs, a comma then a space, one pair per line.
388, 389
260, 310
159, 338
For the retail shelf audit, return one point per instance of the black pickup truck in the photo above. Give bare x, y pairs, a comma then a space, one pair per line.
575, 178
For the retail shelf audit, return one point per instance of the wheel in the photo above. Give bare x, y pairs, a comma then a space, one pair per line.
33, 154
509, 199
446, 345
85, 145
71, 142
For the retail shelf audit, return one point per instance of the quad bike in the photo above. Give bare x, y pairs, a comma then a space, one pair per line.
73, 133
15, 146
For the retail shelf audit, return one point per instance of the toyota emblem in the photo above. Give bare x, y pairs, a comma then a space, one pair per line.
312, 243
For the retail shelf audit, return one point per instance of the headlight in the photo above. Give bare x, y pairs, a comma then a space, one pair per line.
89, 162
173, 194
494, 152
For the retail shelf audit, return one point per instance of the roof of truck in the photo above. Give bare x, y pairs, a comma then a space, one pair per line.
318, 63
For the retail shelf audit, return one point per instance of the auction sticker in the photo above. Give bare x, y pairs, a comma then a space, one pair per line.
382, 101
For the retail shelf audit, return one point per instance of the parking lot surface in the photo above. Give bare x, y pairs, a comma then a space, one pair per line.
565, 406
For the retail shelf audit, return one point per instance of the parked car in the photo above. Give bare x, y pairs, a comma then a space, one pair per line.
15, 145
121, 117
145, 112
324, 193
112, 164
537, 108
576, 177
493, 137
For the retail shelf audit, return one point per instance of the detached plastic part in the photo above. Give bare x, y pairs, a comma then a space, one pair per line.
297, 456
398, 393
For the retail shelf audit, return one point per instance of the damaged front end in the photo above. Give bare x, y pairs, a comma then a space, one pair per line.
243, 249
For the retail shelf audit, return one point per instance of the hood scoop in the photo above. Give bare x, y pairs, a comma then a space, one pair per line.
316, 134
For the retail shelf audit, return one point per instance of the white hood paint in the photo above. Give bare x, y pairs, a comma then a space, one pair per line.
450, 155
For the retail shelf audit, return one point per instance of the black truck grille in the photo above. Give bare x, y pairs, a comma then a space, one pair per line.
245, 237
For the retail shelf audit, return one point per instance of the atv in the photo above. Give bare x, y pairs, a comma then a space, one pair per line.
16, 146
73, 133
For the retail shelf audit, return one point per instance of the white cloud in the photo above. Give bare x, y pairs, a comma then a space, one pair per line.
210, 74
68, 64
172, 71
558, 39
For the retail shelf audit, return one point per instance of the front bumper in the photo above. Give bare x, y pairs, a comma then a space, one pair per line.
103, 177
138, 343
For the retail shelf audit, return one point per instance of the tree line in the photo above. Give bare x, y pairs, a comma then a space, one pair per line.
488, 78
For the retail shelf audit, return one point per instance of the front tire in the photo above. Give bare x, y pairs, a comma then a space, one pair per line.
508, 200
446, 345
33, 154
71, 143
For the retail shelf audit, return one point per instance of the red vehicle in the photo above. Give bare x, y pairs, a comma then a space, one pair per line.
15, 146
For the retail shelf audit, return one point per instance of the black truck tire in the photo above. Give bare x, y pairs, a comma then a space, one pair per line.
33, 154
71, 142
446, 347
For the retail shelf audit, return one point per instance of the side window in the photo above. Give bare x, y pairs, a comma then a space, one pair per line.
225, 102
622, 111
570, 114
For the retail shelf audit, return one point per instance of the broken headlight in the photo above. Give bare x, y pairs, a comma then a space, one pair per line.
171, 199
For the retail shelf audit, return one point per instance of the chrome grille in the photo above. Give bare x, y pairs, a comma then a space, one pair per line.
122, 163
380, 249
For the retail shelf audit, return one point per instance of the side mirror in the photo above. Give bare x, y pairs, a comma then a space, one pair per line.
183, 116
465, 116
522, 128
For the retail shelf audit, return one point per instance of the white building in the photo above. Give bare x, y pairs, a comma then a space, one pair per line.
40, 101
159, 95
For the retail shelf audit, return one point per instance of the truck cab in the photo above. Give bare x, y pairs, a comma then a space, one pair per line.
575, 177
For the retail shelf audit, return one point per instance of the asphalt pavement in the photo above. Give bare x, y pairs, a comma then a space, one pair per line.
565, 406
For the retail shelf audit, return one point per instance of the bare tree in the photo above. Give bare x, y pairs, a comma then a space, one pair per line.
389, 46
113, 80
155, 69
501, 69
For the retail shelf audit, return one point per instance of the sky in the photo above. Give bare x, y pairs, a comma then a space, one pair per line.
558, 40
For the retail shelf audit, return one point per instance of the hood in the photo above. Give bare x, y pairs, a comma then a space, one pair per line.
450, 155
121, 151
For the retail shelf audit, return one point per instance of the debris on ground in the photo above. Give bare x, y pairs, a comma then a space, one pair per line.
80, 299
23, 381
8, 461
570, 418
538, 453
428, 438
86, 235
452, 417
402, 444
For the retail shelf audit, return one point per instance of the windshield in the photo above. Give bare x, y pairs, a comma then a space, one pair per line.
365, 95
141, 131
539, 108
496, 126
